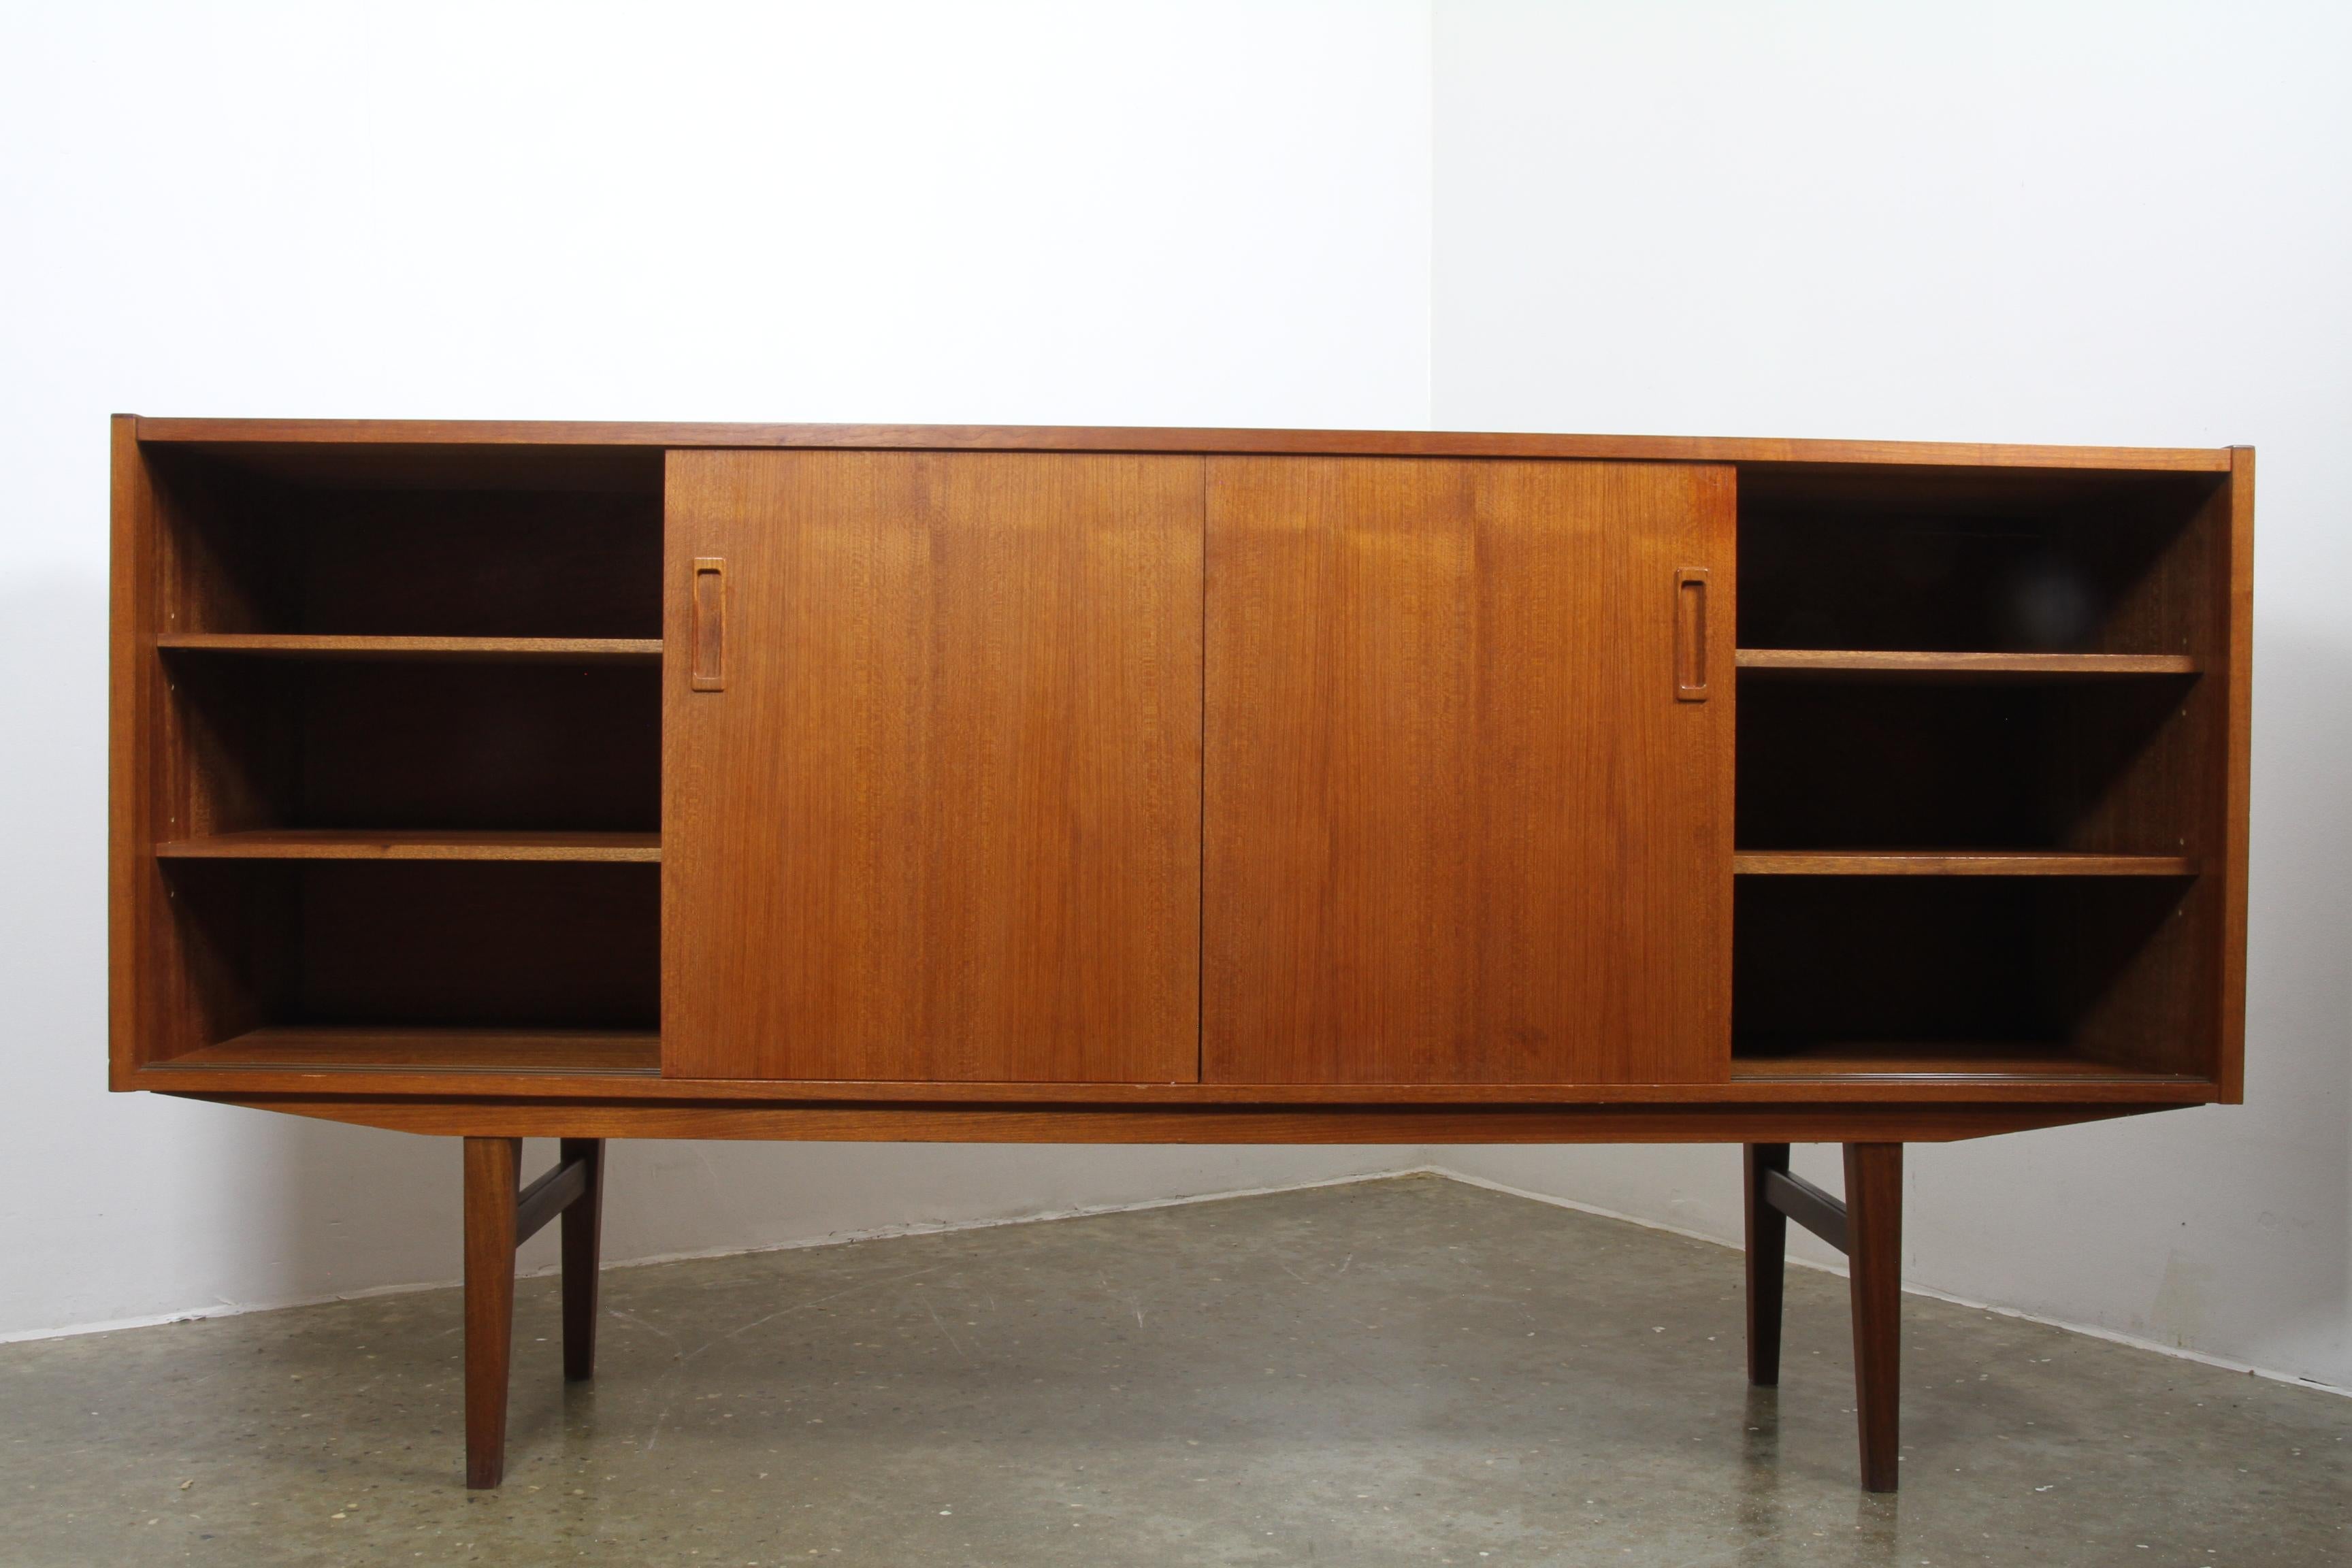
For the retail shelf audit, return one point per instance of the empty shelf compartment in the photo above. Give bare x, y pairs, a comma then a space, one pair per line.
1901, 974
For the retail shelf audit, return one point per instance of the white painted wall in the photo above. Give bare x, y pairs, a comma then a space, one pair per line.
2070, 223
1183, 213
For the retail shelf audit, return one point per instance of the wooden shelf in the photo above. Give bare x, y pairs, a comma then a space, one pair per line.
1938, 1058
1953, 863
342, 844
326, 1049
1802, 662
502, 650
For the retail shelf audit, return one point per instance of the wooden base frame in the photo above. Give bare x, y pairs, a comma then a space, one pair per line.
499, 1219
1867, 1226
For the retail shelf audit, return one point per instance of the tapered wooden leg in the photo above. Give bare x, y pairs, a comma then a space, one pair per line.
1873, 1216
583, 1221
493, 1168
1768, 1254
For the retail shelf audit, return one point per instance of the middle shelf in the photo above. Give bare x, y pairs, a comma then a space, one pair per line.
1950, 863
500, 651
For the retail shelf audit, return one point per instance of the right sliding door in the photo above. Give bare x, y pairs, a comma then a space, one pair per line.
1467, 786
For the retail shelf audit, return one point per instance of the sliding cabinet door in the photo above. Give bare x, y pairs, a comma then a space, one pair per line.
1468, 772
931, 786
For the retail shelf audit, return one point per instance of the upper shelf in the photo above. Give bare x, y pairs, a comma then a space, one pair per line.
1800, 662
340, 844
500, 651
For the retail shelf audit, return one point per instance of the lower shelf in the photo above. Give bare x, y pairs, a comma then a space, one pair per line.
1938, 1058
1955, 863
328, 1049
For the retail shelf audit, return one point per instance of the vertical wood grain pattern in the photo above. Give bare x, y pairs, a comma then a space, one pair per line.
943, 822
1458, 828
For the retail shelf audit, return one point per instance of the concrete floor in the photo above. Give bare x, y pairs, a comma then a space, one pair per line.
1399, 1372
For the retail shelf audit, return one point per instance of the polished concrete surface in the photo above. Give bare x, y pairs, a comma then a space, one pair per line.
1410, 1371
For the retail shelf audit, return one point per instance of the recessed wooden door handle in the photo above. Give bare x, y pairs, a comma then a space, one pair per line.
709, 670
1690, 635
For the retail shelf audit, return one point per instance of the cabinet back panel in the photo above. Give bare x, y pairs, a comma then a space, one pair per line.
282, 744
513, 946
465, 563
252, 554
2028, 562
484, 746
1836, 764
459, 945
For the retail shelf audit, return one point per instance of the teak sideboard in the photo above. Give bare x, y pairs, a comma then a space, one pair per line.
840, 781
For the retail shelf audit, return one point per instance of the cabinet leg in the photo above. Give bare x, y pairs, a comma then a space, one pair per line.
583, 1223
493, 1169
1768, 1253
1873, 1211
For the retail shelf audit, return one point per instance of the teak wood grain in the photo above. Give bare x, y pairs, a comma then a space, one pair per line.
2121, 756
536, 1117
434, 439
315, 646
1873, 1214
606, 1065
1791, 661
942, 820
2233, 589
1964, 863
284, 1051
1458, 826
493, 1172
411, 844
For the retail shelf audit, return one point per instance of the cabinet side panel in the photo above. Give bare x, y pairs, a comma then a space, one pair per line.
935, 812
134, 887
2236, 591
1460, 826
166, 992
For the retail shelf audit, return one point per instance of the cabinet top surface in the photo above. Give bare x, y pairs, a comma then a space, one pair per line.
550, 435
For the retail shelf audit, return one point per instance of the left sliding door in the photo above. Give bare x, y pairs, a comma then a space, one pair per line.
931, 766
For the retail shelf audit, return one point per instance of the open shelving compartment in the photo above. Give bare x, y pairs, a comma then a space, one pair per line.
1979, 774
407, 713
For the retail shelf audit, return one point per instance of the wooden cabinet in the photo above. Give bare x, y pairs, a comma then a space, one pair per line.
886, 782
